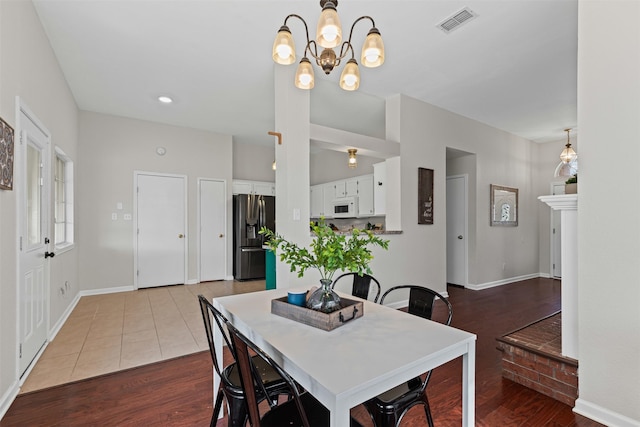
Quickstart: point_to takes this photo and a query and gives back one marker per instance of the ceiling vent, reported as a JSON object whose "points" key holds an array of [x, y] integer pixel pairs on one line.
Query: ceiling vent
{"points": [[457, 19]]}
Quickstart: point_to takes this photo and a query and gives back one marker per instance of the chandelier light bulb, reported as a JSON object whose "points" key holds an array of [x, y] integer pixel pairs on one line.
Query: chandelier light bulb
{"points": [[329, 32]]}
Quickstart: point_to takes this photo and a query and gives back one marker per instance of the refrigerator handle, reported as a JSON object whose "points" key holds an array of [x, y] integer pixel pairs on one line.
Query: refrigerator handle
{"points": [[262, 214]]}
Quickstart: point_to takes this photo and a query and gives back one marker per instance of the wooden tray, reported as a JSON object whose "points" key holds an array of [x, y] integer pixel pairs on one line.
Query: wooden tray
{"points": [[326, 321]]}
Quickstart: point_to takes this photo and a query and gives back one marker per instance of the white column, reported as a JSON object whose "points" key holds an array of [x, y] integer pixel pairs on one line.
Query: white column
{"points": [[567, 204], [292, 120]]}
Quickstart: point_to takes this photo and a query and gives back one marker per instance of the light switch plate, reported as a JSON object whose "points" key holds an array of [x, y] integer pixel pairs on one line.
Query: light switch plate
{"points": [[114, 216]]}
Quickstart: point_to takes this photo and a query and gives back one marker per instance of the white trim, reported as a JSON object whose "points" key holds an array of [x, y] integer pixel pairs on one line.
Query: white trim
{"points": [[103, 291], [501, 282], [192, 282], [8, 398], [60, 323], [603, 415]]}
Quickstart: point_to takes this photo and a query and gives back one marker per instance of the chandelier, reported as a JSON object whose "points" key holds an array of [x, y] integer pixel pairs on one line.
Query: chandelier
{"points": [[568, 160], [328, 37]]}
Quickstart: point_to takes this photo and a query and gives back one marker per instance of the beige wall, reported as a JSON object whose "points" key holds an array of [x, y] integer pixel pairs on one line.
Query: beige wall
{"points": [[608, 206], [29, 69], [253, 162], [111, 149]]}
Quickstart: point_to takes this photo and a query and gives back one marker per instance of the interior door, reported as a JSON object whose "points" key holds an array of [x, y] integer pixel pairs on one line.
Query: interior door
{"points": [[556, 245], [33, 185], [213, 227], [161, 240], [457, 269]]}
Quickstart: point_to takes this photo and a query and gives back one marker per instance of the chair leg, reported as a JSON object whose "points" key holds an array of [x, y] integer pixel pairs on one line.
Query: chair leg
{"points": [[427, 410], [237, 412], [216, 408]]}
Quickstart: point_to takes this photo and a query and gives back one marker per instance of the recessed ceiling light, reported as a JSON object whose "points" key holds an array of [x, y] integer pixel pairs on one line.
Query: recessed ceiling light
{"points": [[165, 99]]}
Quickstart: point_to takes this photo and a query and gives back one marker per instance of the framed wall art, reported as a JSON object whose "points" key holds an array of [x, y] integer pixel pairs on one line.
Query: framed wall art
{"points": [[6, 156], [504, 206], [425, 196]]}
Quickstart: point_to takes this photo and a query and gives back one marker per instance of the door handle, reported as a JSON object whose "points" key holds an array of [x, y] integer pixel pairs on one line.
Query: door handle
{"points": [[221, 236], [180, 236], [48, 254], [460, 237]]}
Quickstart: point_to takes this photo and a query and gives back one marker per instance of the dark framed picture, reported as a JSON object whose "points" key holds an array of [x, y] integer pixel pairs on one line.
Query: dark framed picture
{"points": [[504, 206], [6, 156], [425, 196]]}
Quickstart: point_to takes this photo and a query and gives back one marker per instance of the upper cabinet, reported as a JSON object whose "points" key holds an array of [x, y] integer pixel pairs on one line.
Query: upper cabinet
{"points": [[323, 195], [365, 195], [253, 187]]}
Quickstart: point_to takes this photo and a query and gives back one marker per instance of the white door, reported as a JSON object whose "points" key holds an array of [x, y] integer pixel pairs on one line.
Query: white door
{"points": [[457, 269], [213, 230], [33, 185], [161, 240]]}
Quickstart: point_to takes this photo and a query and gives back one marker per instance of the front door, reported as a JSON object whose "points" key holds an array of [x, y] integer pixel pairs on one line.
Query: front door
{"points": [[213, 230], [33, 184], [457, 230], [161, 240]]}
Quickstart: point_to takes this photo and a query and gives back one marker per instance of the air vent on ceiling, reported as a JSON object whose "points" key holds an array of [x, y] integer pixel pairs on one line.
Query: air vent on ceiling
{"points": [[457, 19]]}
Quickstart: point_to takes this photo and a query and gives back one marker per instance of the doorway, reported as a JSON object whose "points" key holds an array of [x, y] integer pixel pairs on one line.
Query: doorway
{"points": [[33, 186], [212, 217], [160, 229], [556, 246]]}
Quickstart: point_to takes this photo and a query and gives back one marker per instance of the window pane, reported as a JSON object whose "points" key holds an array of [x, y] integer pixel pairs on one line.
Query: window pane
{"points": [[34, 195]]}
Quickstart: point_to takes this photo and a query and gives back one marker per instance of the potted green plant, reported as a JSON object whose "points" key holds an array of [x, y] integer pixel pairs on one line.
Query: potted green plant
{"points": [[571, 185], [329, 252]]}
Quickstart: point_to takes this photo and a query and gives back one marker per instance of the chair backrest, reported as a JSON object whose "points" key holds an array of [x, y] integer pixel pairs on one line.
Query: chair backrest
{"points": [[361, 285], [209, 312], [421, 301], [249, 377]]}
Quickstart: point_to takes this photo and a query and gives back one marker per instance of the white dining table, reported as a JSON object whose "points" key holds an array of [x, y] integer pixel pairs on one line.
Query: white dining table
{"points": [[356, 361]]}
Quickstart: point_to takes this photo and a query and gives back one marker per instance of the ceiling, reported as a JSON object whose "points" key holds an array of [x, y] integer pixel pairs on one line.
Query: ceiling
{"points": [[512, 67]]}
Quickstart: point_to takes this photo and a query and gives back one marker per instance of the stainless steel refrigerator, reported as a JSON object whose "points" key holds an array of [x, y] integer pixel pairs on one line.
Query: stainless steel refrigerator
{"points": [[250, 213]]}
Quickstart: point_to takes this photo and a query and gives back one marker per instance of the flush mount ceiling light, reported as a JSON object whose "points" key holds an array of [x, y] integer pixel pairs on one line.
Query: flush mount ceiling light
{"points": [[165, 99], [328, 36], [568, 160], [353, 162]]}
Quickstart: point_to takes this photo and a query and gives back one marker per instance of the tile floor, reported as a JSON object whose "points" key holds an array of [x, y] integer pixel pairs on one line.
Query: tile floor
{"points": [[107, 333]]}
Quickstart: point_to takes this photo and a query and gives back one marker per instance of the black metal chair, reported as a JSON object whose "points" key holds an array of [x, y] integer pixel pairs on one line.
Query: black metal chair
{"points": [[388, 408], [301, 411], [271, 385], [361, 285]]}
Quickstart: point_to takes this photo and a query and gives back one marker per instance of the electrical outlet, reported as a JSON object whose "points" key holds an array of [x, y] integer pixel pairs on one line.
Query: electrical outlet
{"points": [[114, 216], [127, 217]]}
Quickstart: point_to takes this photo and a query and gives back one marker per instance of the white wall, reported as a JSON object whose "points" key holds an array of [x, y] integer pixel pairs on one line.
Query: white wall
{"points": [[253, 162], [329, 165], [608, 206], [29, 69], [418, 255], [111, 149]]}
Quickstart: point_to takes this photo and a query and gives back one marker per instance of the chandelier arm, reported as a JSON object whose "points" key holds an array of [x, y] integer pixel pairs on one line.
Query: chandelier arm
{"points": [[313, 52], [343, 51], [373, 24], [306, 31]]}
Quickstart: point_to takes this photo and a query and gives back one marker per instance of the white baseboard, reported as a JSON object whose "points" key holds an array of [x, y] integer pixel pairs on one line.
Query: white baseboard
{"points": [[106, 291], [603, 415], [192, 282], [8, 397], [501, 282], [56, 328]]}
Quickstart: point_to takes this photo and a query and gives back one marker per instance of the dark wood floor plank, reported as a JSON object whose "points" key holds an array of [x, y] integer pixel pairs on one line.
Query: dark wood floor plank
{"points": [[179, 392]]}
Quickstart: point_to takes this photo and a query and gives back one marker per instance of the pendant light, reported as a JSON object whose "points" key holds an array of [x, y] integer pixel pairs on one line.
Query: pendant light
{"points": [[353, 162], [568, 165]]}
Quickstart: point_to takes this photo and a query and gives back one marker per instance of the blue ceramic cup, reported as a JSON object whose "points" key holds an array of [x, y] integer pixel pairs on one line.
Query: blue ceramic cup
{"points": [[297, 298]]}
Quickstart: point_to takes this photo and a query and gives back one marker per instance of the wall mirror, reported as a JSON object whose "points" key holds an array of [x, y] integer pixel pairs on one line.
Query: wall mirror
{"points": [[504, 206]]}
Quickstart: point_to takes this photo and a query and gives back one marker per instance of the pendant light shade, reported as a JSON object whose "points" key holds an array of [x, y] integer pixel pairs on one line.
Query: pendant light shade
{"points": [[373, 49], [304, 75], [353, 162], [284, 49], [568, 165], [329, 32], [350, 78]]}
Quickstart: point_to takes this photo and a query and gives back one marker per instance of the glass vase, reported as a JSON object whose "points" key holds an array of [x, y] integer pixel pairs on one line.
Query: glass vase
{"points": [[324, 299]]}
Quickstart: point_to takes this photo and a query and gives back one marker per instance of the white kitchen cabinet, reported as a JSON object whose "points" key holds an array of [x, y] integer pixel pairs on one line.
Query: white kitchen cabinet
{"points": [[317, 201], [328, 200], [365, 195], [240, 186], [379, 188], [339, 189]]}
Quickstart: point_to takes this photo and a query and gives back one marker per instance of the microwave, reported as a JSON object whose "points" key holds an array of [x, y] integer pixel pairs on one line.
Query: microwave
{"points": [[346, 207]]}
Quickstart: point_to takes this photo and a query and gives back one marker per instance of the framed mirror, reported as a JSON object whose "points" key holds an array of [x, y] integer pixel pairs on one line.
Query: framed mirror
{"points": [[504, 206]]}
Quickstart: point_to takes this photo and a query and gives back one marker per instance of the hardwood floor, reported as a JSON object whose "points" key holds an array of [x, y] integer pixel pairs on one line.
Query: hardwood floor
{"points": [[178, 392]]}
